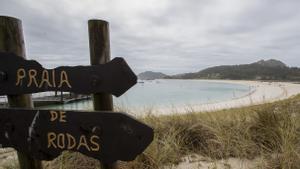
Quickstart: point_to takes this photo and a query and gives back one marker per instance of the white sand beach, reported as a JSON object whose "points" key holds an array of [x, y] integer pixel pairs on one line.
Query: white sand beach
{"points": [[261, 92]]}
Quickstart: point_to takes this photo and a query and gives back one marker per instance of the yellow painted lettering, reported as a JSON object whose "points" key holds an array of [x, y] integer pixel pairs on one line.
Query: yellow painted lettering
{"points": [[51, 139], [45, 79], [20, 75], [32, 74], [61, 141], [54, 115], [95, 141], [53, 78], [71, 141], [62, 117], [83, 142], [64, 79]]}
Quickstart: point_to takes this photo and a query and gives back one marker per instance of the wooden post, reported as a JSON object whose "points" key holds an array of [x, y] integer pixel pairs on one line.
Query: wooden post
{"points": [[61, 96], [12, 40], [100, 54]]}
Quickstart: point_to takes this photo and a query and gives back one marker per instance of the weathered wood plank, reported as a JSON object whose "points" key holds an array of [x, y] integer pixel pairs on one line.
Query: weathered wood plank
{"points": [[44, 134], [19, 76]]}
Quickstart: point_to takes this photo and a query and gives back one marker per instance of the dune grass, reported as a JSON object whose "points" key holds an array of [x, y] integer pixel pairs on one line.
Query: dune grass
{"points": [[270, 132]]}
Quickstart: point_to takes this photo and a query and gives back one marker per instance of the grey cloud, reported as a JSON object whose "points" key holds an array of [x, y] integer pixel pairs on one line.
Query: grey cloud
{"points": [[172, 36]]}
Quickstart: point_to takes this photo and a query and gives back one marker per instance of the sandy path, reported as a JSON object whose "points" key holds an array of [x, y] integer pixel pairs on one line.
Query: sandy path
{"points": [[198, 162]]}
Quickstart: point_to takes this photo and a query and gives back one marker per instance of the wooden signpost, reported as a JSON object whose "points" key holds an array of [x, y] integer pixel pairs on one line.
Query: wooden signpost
{"points": [[12, 40], [43, 134], [19, 76]]}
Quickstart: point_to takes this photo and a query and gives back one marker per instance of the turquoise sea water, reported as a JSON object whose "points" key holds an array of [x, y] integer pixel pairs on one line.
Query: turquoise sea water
{"points": [[159, 93]]}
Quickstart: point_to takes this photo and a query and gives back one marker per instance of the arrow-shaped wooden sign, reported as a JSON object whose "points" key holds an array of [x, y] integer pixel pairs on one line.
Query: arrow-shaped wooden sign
{"points": [[44, 134], [19, 76]]}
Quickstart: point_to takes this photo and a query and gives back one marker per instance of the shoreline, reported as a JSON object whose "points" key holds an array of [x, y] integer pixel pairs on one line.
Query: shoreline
{"points": [[260, 93]]}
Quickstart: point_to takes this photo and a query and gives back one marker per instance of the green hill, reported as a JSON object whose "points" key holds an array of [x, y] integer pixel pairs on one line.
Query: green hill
{"points": [[261, 70], [149, 75]]}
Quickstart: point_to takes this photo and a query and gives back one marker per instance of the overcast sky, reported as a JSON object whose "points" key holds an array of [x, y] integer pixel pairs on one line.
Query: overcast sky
{"points": [[171, 36]]}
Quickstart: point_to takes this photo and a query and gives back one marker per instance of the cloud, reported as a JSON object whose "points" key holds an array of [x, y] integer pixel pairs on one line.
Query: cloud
{"points": [[172, 36]]}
